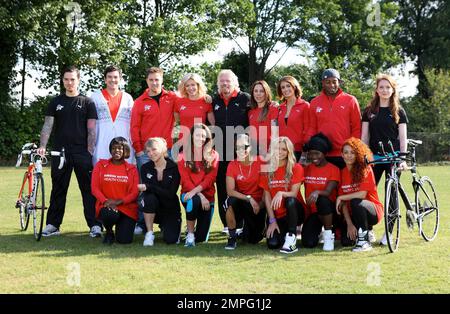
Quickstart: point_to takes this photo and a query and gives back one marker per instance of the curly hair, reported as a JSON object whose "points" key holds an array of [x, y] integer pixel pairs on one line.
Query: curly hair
{"points": [[361, 152]]}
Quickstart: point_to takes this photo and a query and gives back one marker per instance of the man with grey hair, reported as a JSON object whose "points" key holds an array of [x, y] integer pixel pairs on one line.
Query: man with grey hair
{"points": [[230, 107]]}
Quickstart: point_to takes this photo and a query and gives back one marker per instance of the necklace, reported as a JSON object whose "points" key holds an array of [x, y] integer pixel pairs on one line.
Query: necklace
{"points": [[249, 172]]}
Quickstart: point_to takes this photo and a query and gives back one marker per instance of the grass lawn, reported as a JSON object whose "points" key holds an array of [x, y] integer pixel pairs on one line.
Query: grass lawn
{"points": [[52, 265]]}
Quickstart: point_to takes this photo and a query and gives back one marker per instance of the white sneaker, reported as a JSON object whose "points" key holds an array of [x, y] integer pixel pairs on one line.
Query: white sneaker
{"points": [[96, 232], [238, 231], [290, 244], [363, 244], [138, 230], [328, 240], [149, 239], [321, 240], [225, 230], [50, 230], [372, 238], [190, 240]]}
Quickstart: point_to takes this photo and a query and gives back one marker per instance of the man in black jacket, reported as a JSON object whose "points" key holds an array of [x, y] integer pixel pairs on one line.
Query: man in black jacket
{"points": [[230, 107]]}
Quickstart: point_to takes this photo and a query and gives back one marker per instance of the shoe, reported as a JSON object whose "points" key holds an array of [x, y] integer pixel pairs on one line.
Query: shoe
{"points": [[109, 238], [50, 230], [239, 231], [232, 243], [96, 232], [321, 240], [190, 240], [138, 230], [372, 238], [328, 240], [290, 244], [225, 230], [363, 244], [149, 239]]}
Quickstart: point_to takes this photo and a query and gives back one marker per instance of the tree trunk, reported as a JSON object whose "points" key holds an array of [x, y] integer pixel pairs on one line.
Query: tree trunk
{"points": [[24, 76]]}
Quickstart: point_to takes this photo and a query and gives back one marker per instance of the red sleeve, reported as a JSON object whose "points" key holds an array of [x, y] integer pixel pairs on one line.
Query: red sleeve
{"points": [[341, 183], [135, 127], [335, 174], [298, 175], [356, 120], [305, 124], [133, 191], [186, 182], [312, 129], [96, 184], [176, 105], [231, 169], [368, 183], [208, 107], [210, 177], [263, 182]]}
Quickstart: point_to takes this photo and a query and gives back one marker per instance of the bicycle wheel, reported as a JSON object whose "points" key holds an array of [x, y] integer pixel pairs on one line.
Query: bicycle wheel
{"points": [[392, 215], [23, 203], [39, 208], [427, 209]]}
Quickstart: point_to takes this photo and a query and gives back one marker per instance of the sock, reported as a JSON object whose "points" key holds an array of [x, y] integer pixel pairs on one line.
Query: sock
{"points": [[232, 232]]}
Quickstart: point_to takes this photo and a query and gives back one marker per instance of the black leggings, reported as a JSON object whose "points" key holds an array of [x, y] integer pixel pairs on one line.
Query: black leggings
{"points": [[313, 225], [203, 217], [295, 214], [169, 220], [253, 231], [364, 216], [124, 224]]}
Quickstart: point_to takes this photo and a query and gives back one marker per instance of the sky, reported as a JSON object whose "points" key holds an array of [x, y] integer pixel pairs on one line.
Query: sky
{"points": [[407, 83]]}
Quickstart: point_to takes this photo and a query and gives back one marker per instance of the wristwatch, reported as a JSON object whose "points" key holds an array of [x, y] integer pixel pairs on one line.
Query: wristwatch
{"points": [[249, 197]]}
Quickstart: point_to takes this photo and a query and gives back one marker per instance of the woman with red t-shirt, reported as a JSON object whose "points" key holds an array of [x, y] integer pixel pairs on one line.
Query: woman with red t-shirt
{"points": [[244, 200], [293, 116], [262, 115], [192, 107], [114, 185], [321, 181], [198, 166], [358, 198], [284, 203]]}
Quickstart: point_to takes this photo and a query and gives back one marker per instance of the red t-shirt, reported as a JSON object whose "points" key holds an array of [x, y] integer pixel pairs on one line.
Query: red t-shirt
{"points": [[261, 130], [110, 181], [191, 111], [317, 178], [278, 183], [297, 123], [367, 184], [113, 102], [246, 178]]}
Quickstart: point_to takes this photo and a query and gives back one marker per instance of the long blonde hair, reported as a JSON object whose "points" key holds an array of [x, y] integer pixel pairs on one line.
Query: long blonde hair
{"points": [[394, 102], [274, 159], [197, 79]]}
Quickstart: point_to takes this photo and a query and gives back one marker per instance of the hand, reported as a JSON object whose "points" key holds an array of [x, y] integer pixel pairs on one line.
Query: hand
{"points": [[41, 151], [403, 166], [140, 153], [205, 202], [271, 228], [142, 187], [255, 206], [208, 99], [276, 201], [339, 204], [112, 203], [188, 196], [352, 233], [312, 199]]}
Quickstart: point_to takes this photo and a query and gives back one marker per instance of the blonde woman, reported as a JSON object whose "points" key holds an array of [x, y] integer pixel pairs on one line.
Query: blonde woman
{"points": [[284, 203], [192, 106], [160, 183]]}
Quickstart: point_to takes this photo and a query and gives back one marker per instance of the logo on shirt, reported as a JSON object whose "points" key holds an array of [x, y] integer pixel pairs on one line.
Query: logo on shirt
{"points": [[147, 107], [149, 176], [240, 177], [182, 108], [236, 104], [170, 177], [318, 109], [79, 106], [216, 107], [59, 107], [342, 107]]}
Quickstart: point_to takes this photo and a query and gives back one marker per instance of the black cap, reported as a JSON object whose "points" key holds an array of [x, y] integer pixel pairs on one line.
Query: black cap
{"points": [[331, 73]]}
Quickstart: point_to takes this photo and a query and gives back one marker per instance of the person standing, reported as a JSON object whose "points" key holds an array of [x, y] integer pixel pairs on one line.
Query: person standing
{"points": [[293, 116], [230, 107], [336, 114], [114, 114], [74, 117]]}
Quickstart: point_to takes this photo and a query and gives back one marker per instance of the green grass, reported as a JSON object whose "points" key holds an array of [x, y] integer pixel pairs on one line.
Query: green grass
{"points": [[27, 266]]}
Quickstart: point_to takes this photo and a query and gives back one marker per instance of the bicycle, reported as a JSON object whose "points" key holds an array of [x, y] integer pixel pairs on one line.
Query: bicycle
{"points": [[31, 199], [424, 210]]}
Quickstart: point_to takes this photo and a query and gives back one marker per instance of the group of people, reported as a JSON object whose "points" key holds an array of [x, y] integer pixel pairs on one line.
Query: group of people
{"points": [[132, 157]]}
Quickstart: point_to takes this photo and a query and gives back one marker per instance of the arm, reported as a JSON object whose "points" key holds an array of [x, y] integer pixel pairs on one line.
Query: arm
{"points": [[312, 130], [211, 118], [166, 193], [331, 186], [365, 136], [96, 185], [278, 198], [231, 189], [350, 196], [352, 233], [402, 134], [305, 125], [356, 120], [45, 134], [92, 134], [133, 192], [135, 127], [210, 177]]}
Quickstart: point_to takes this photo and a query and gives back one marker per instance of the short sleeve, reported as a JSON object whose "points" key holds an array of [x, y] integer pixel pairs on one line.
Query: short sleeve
{"points": [[263, 182], [368, 183], [51, 108], [91, 109], [402, 115], [365, 116], [176, 105], [298, 175], [230, 170], [335, 174], [208, 108]]}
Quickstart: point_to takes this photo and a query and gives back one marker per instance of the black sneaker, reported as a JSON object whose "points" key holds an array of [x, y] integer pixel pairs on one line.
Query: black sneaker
{"points": [[231, 245], [109, 238]]}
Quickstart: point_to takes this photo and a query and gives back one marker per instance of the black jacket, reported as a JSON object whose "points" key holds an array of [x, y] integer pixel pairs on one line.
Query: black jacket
{"points": [[166, 190]]}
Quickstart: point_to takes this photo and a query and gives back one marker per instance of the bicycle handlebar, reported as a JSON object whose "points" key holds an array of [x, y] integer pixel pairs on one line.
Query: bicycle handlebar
{"points": [[394, 156], [33, 153]]}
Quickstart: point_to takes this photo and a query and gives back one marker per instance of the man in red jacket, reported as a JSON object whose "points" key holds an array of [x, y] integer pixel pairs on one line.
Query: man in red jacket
{"points": [[336, 114], [152, 116]]}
